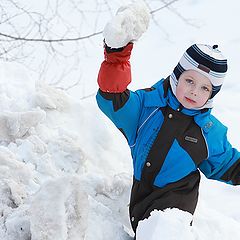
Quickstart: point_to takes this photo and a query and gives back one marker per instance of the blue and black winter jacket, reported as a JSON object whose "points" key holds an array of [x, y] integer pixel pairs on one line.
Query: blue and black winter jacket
{"points": [[140, 116], [168, 145]]}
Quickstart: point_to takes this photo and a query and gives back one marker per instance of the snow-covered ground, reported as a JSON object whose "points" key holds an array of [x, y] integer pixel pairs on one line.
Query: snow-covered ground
{"points": [[65, 171]]}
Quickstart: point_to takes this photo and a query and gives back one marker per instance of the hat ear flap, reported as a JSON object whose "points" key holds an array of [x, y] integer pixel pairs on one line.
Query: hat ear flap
{"points": [[215, 90]]}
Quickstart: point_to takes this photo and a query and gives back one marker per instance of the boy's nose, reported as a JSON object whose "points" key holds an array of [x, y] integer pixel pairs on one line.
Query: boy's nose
{"points": [[194, 92]]}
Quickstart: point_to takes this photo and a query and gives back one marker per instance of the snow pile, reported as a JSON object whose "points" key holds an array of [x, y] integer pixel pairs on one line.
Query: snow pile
{"points": [[50, 186]]}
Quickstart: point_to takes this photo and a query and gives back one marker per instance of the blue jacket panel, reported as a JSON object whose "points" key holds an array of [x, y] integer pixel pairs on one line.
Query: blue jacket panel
{"points": [[222, 155], [140, 119]]}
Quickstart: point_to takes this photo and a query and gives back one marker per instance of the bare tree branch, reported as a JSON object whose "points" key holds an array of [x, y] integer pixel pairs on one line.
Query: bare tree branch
{"points": [[57, 34], [24, 38], [49, 40]]}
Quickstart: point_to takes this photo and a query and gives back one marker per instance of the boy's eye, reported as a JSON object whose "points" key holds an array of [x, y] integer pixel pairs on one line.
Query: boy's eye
{"points": [[189, 81], [206, 89]]}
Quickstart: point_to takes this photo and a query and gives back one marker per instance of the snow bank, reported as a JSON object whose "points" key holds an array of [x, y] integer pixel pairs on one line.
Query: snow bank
{"points": [[48, 185]]}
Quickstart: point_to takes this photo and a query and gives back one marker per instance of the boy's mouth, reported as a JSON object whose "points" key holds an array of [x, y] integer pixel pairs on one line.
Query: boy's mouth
{"points": [[190, 100]]}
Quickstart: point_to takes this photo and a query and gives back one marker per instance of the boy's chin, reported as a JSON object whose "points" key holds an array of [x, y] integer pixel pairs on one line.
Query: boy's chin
{"points": [[190, 106], [187, 105]]}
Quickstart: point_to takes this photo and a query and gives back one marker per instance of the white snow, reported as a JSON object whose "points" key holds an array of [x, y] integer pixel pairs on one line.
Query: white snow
{"points": [[52, 181], [65, 171], [167, 224]]}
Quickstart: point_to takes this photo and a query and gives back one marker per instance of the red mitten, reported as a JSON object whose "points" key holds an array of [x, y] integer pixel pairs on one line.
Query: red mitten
{"points": [[115, 71]]}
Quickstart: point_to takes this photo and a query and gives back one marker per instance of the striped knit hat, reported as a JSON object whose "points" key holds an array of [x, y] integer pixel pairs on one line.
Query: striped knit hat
{"points": [[207, 60]]}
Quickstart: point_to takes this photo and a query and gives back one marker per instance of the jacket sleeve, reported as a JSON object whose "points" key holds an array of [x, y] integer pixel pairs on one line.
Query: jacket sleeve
{"points": [[223, 163], [120, 105]]}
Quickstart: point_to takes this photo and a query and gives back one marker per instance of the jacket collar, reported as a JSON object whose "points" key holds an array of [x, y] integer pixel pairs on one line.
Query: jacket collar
{"points": [[157, 98]]}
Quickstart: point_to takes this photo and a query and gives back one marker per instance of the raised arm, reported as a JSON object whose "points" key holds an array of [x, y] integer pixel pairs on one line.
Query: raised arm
{"points": [[120, 105]]}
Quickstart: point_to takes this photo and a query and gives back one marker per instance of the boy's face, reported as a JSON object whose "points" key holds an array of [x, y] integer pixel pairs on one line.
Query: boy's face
{"points": [[193, 89]]}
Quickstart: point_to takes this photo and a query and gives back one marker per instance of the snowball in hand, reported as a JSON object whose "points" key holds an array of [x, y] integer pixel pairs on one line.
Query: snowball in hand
{"points": [[130, 22]]}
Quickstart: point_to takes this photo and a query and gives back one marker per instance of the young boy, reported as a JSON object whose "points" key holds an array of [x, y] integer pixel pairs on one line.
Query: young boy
{"points": [[169, 127]]}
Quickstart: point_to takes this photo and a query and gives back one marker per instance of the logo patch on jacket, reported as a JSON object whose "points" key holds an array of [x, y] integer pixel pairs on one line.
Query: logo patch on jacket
{"points": [[191, 139]]}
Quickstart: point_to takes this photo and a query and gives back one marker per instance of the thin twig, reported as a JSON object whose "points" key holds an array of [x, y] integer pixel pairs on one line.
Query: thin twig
{"points": [[49, 40], [166, 5]]}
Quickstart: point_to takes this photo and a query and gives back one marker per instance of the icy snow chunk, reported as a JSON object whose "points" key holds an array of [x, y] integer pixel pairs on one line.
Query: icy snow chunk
{"points": [[5, 198], [18, 226], [14, 176], [59, 209], [48, 97], [29, 150], [16, 170], [108, 199], [18, 192], [170, 224], [16, 124], [114, 187], [67, 154], [34, 143], [106, 226], [130, 22]]}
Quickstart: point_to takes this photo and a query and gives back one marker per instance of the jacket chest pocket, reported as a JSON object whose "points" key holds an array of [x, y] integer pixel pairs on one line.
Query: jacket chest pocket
{"points": [[194, 143]]}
